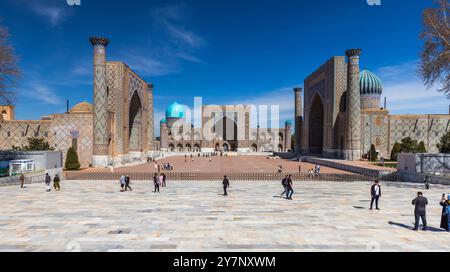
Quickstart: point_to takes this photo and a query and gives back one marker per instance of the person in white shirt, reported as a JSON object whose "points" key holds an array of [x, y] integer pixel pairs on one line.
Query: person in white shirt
{"points": [[376, 194]]}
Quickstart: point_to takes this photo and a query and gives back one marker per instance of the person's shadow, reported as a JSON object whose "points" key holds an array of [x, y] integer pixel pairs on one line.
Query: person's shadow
{"points": [[411, 228]]}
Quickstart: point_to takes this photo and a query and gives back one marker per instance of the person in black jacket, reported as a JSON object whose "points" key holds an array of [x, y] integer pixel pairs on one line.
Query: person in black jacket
{"points": [[420, 211], [290, 189], [376, 194], [156, 183], [284, 183], [127, 183], [226, 185]]}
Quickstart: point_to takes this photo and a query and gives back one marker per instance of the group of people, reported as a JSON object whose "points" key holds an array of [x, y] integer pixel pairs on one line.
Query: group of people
{"points": [[167, 166], [125, 183], [159, 181], [420, 203], [288, 187], [56, 182], [315, 172]]}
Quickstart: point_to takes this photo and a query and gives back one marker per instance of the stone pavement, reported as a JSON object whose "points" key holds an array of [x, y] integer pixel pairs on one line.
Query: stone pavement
{"points": [[192, 216], [235, 164]]}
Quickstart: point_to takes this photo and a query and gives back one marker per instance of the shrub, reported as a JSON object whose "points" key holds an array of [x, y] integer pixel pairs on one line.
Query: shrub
{"points": [[72, 162]]}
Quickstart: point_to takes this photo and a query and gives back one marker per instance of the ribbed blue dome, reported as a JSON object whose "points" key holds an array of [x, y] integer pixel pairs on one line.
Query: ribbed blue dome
{"points": [[175, 111], [369, 83]]}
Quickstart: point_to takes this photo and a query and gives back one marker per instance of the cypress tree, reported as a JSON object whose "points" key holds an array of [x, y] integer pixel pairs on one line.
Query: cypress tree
{"points": [[72, 162]]}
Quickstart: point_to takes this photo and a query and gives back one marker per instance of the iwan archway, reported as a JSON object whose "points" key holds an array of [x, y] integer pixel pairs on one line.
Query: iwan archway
{"points": [[316, 125]]}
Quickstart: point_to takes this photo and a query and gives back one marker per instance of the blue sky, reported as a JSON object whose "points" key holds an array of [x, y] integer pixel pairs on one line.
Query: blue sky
{"points": [[225, 51]]}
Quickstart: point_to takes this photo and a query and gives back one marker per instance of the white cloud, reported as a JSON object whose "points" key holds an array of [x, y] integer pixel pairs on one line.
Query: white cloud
{"points": [[54, 12], [43, 94]]}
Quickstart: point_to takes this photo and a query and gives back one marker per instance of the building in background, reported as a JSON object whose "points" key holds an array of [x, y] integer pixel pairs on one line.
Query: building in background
{"points": [[116, 129], [341, 116], [223, 129]]}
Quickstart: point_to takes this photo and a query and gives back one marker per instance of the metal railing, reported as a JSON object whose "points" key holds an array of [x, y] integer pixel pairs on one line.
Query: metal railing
{"points": [[217, 176]]}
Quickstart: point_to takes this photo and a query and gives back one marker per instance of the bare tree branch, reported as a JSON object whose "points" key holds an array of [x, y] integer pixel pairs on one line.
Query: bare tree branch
{"points": [[9, 71]]}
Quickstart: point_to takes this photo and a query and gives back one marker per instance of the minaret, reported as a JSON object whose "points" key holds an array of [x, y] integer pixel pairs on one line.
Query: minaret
{"points": [[164, 138], [352, 148], [151, 118], [287, 136], [101, 135], [298, 119]]}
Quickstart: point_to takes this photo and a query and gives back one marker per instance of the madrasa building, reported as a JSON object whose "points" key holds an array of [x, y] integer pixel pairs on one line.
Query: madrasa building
{"points": [[116, 129], [341, 115], [222, 129]]}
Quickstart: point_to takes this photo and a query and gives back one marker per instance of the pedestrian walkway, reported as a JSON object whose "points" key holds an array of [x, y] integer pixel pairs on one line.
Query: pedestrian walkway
{"points": [[194, 216]]}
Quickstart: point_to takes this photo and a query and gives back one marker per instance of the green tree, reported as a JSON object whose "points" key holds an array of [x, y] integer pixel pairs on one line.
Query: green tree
{"points": [[72, 162], [408, 145], [444, 145], [421, 148], [373, 155], [35, 144], [395, 150]]}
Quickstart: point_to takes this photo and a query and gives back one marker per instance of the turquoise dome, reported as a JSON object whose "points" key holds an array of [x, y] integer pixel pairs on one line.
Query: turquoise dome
{"points": [[288, 123], [369, 83], [163, 121], [175, 111]]}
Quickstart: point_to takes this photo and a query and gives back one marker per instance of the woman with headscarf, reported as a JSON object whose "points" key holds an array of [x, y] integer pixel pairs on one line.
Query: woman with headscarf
{"points": [[445, 221]]}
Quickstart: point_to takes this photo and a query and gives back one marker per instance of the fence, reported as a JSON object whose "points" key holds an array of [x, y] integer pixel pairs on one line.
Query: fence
{"points": [[175, 176]]}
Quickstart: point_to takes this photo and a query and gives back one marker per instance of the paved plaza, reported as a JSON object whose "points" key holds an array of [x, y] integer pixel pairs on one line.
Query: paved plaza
{"points": [[232, 164], [192, 216]]}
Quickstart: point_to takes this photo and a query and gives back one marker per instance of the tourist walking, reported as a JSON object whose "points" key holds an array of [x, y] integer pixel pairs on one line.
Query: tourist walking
{"points": [[161, 181], [127, 183], [284, 183], [56, 183], [122, 183], [427, 182], [48, 180], [156, 183], [164, 178], [375, 192], [445, 220], [226, 185], [290, 189], [22, 181], [317, 170], [420, 212]]}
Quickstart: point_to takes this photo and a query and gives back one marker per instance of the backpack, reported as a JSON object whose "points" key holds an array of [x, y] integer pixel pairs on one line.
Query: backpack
{"points": [[284, 182]]}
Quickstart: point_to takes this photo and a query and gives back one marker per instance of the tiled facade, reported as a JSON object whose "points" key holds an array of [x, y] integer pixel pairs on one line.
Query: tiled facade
{"points": [[325, 128], [181, 136], [117, 128]]}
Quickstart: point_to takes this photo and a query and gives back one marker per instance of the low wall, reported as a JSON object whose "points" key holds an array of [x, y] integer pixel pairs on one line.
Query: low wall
{"points": [[217, 177], [43, 159], [415, 167], [31, 178], [377, 174]]}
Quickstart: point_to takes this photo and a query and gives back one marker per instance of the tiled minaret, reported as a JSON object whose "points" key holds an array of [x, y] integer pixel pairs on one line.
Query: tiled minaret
{"points": [[101, 135], [164, 136], [151, 118], [352, 148], [298, 119], [287, 137]]}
